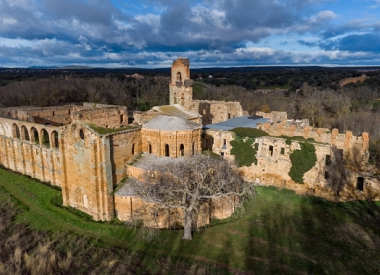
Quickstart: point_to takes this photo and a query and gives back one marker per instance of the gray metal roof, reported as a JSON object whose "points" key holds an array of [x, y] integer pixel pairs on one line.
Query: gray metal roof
{"points": [[242, 121]]}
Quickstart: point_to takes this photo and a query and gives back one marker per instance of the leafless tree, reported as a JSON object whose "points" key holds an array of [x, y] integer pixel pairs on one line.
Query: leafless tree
{"points": [[187, 183], [337, 173]]}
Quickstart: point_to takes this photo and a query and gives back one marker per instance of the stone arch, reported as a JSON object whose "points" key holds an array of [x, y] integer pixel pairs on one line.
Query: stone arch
{"points": [[45, 140], [34, 137], [193, 148], [15, 131], [54, 140], [181, 150], [133, 149], [150, 148], [167, 150], [24, 133], [81, 198], [179, 76], [175, 98]]}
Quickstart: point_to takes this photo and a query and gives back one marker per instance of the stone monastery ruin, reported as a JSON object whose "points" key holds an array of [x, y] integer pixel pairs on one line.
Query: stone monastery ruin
{"points": [[89, 151]]}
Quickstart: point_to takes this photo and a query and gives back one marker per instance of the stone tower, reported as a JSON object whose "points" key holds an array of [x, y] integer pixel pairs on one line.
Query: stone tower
{"points": [[180, 88]]}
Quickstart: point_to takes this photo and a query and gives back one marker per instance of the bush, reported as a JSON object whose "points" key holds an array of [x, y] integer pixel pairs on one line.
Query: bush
{"points": [[242, 149], [249, 132], [302, 161]]}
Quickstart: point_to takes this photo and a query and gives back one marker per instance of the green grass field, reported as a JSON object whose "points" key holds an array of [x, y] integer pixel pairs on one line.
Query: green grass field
{"points": [[280, 233]]}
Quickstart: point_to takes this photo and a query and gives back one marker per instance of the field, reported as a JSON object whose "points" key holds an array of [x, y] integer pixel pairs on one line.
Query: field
{"points": [[280, 233]]}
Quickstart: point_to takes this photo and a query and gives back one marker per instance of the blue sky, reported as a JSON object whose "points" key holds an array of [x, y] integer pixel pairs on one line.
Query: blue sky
{"points": [[152, 33]]}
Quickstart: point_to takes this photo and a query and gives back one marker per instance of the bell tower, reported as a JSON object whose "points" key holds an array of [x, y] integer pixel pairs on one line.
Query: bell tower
{"points": [[181, 91]]}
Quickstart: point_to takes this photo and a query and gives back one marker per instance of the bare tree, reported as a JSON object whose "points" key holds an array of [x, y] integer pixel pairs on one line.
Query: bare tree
{"points": [[337, 172], [189, 182]]}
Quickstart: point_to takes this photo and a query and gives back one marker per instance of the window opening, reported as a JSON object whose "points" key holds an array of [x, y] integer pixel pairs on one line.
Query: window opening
{"points": [[360, 183], [327, 160], [282, 151], [166, 150], [182, 150], [81, 134], [271, 150]]}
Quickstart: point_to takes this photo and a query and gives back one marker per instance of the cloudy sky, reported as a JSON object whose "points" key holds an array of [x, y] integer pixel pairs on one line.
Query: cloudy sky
{"points": [[152, 33]]}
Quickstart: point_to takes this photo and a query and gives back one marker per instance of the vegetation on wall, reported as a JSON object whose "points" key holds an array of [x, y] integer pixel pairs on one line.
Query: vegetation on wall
{"points": [[242, 149], [302, 161]]}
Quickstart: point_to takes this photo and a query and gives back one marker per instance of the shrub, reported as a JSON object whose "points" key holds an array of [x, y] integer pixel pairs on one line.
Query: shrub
{"points": [[242, 149], [249, 132], [302, 161]]}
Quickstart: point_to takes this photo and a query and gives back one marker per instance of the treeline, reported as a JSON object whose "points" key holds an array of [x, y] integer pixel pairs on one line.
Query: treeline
{"points": [[291, 79], [136, 94]]}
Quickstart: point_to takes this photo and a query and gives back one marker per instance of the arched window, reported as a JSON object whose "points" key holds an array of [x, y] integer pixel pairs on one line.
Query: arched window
{"points": [[15, 131], [81, 134], [34, 136], [45, 138], [175, 98], [150, 148], [179, 77], [2, 132], [167, 150], [54, 140], [182, 150], [193, 148], [24, 133], [133, 149]]}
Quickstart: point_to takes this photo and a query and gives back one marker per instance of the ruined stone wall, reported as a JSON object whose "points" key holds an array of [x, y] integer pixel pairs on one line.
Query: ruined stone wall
{"points": [[273, 164], [124, 146], [355, 148], [56, 116], [131, 208], [274, 116], [143, 117], [31, 149], [179, 142], [216, 111], [109, 117], [88, 182], [219, 142]]}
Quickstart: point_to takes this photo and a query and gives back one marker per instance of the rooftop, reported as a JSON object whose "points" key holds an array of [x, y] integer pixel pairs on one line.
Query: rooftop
{"points": [[176, 110], [170, 123], [232, 123]]}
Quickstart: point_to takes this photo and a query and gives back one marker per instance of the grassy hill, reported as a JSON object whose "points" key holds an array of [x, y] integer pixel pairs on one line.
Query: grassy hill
{"points": [[280, 233]]}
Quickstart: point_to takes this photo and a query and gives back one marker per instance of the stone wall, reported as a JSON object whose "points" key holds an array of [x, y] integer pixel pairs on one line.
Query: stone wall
{"points": [[106, 117], [216, 111], [31, 149], [355, 148], [87, 183], [179, 142], [273, 164]]}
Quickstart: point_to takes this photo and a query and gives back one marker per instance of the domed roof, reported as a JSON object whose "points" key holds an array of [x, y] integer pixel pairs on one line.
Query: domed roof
{"points": [[170, 123]]}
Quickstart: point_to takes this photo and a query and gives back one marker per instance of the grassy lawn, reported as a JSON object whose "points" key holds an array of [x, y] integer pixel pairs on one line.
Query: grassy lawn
{"points": [[280, 233]]}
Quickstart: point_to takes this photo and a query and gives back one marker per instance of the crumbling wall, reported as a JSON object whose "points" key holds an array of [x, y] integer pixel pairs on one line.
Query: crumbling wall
{"points": [[355, 148], [216, 111], [107, 117], [124, 146], [87, 183], [272, 164], [31, 149]]}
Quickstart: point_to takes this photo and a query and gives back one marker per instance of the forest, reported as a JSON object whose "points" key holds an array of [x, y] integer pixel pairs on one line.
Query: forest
{"points": [[328, 97]]}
